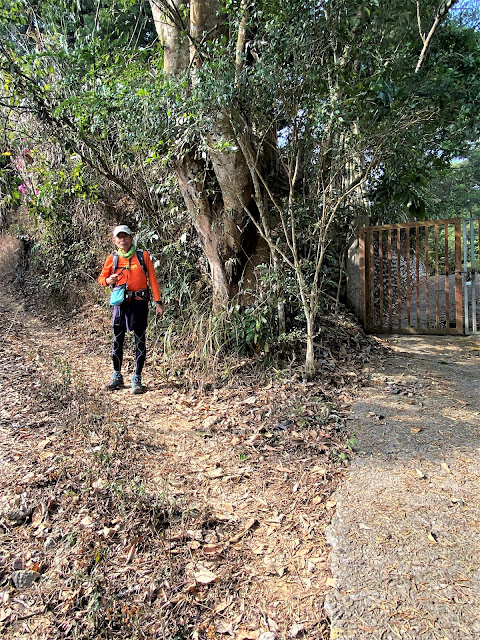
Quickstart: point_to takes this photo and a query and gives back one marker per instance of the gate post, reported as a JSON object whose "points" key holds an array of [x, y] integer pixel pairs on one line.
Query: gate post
{"points": [[362, 288], [458, 276], [354, 264]]}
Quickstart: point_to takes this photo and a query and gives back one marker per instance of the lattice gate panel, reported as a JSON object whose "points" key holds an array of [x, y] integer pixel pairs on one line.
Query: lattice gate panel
{"points": [[411, 277]]}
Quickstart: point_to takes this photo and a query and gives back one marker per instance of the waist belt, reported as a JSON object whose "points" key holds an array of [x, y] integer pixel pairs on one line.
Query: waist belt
{"points": [[141, 294]]}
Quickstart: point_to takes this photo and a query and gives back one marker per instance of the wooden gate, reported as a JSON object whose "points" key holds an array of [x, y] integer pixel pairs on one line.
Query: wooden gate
{"points": [[471, 268], [412, 277]]}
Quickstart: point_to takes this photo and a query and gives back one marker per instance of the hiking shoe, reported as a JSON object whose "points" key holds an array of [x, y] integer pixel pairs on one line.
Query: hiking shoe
{"points": [[116, 381], [137, 386]]}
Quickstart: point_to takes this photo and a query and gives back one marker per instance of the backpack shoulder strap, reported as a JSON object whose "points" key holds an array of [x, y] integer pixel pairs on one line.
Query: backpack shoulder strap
{"points": [[115, 261], [141, 259]]}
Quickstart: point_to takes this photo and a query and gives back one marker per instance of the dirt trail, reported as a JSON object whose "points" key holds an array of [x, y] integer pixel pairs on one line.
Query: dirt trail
{"points": [[405, 536], [247, 491], [246, 475]]}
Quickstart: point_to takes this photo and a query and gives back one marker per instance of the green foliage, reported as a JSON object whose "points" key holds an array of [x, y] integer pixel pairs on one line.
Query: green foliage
{"points": [[250, 328], [455, 191], [445, 93], [9, 183], [60, 266], [324, 87]]}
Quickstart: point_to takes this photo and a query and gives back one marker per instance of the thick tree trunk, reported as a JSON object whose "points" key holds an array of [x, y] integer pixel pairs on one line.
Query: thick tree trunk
{"points": [[173, 38], [226, 233], [204, 214]]}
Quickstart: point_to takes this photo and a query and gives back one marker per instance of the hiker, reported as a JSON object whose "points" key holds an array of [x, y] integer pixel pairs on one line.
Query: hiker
{"points": [[129, 267]]}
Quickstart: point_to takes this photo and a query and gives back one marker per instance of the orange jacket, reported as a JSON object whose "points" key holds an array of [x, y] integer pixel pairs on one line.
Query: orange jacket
{"points": [[133, 276]]}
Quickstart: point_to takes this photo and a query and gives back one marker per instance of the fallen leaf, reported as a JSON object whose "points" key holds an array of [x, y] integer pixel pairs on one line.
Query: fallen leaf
{"points": [[250, 523], [416, 429], [86, 522], [37, 515], [445, 466], [221, 606], [304, 551], [246, 634], [214, 549], [284, 470], [193, 544], [195, 534], [258, 550], [433, 537], [295, 630], [321, 470], [227, 506], [98, 485], [330, 504], [272, 625], [277, 519], [211, 538], [420, 474], [5, 614], [131, 553], [210, 421], [215, 473], [273, 567], [204, 575], [296, 437], [224, 627]]}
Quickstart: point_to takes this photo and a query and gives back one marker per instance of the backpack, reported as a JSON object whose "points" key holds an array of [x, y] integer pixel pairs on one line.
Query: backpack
{"points": [[140, 258]]}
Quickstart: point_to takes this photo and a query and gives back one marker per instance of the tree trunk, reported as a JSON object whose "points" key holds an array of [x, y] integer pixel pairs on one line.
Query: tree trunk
{"points": [[310, 355], [228, 237], [204, 214], [172, 36]]}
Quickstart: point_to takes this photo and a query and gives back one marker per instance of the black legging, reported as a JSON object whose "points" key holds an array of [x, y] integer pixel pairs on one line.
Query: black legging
{"points": [[117, 350]]}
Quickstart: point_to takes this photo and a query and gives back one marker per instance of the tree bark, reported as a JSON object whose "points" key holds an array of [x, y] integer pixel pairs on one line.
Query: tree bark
{"points": [[171, 34], [204, 214], [310, 355], [225, 231]]}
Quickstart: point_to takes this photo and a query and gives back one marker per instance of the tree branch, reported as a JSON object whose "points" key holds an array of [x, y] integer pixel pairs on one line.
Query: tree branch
{"points": [[241, 38], [442, 11]]}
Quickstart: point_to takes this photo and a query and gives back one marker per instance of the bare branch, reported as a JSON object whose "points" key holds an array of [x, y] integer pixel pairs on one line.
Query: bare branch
{"points": [[419, 20], [442, 11], [241, 38]]}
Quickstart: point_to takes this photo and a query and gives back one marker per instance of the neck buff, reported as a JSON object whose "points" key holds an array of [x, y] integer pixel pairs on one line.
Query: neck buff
{"points": [[129, 253]]}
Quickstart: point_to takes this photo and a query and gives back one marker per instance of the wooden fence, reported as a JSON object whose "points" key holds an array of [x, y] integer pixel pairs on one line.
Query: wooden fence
{"points": [[412, 277]]}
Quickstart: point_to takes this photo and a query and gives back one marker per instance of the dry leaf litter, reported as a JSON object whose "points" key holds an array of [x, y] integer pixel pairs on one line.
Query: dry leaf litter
{"points": [[183, 513]]}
